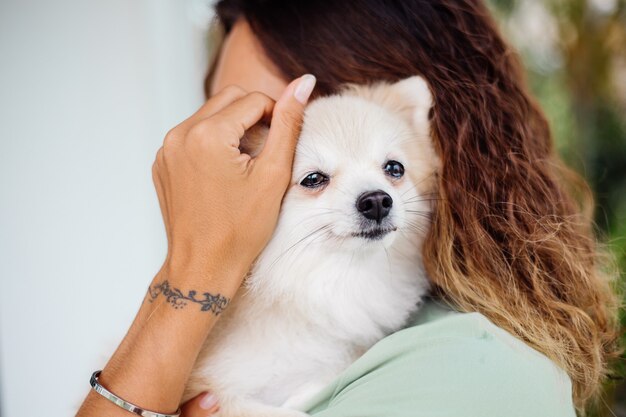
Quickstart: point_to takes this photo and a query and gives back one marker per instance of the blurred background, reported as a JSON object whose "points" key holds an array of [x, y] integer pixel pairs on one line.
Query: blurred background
{"points": [[88, 91]]}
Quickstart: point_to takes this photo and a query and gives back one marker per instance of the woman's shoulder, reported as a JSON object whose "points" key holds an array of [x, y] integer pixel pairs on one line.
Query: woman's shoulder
{"points": [[448, 363]]}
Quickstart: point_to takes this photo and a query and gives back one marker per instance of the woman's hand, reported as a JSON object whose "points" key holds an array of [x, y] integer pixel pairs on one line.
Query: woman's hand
{"points": [[202, 405], [220, 206]]}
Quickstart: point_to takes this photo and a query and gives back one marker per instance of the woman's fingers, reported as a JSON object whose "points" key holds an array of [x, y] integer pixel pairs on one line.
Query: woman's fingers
{"points": [[214, 104], [238, 115], [233, 120], [203, 405], [212, 204], [286, 123]]}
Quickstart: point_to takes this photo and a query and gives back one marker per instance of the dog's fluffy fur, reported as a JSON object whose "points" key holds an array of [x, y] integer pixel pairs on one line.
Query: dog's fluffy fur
{"points": [[318, 297]]}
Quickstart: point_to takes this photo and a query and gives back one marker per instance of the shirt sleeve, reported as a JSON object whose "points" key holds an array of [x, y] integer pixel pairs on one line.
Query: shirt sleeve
{"points": [[466, 367]]}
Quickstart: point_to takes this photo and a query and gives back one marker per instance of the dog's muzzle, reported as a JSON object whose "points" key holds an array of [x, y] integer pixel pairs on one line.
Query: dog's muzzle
{"points": [[374, 205]]}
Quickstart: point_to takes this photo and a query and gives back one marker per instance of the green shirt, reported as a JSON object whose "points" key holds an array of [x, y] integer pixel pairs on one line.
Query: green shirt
{"points": [[448, 364]]}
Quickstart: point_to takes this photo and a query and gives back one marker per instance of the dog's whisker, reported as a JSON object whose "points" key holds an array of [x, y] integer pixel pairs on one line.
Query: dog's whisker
{"points": [[302, 249], [419, 218], [413, 187], [388, 261], [420, 195], [427, 196], [425, 200], [421, 229], [427, 177], [425, 214], [398, 252], [309, 235]]}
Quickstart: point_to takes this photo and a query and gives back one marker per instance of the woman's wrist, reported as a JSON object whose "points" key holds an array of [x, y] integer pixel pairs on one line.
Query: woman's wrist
{"points": [[155, 358], [191, 288], [215, 274]]}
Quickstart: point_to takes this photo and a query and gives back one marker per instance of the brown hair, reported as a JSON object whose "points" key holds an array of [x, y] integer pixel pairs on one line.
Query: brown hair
{"points": [[512, 236]]}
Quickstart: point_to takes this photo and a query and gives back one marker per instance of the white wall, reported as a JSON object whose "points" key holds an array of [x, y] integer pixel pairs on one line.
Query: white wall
{"points": [[87, 92]]}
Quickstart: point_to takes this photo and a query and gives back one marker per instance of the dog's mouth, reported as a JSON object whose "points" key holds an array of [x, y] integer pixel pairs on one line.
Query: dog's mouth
{"points": [[374, 234]]}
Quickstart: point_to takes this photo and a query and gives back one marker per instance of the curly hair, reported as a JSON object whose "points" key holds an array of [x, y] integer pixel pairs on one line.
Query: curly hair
{"points": [[512, 235]]}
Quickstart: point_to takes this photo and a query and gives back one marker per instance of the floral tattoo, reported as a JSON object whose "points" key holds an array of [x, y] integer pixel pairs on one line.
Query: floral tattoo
{"points": [[209, 302]]}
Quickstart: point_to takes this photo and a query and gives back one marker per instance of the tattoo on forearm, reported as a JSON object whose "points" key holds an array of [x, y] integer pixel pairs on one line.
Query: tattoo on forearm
{"points": [[213, 303]]}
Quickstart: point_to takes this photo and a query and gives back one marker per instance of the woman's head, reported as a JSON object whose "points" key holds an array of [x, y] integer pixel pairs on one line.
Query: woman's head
{"points": [[243, 62], [511, 236]]}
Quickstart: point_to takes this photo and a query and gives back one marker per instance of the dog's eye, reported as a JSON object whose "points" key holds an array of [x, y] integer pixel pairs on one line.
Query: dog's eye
{"points": [[394, 168], [314, 179]]}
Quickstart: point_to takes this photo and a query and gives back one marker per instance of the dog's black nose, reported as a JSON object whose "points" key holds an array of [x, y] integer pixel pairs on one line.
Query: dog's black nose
{"points": [[374, 205]]}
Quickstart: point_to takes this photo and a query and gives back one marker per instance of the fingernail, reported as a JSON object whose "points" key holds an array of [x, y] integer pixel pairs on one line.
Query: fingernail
{"points": [[304, 88], [208, 401]]}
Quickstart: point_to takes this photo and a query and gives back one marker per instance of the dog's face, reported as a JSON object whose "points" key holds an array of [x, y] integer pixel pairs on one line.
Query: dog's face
{"points": [[364, 167], [359, 204]]}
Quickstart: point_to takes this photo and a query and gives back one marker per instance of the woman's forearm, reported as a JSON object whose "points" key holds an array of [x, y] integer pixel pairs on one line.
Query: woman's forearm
{"points": [[220, 207], [155, 358]]}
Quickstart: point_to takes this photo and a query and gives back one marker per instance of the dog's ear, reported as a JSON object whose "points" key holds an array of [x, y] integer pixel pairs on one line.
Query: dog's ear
{"points": [[412, 100], [412, 92], [409, 97]]}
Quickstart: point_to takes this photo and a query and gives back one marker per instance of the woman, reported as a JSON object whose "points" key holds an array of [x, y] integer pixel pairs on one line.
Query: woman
{"points": [[508, 242]]}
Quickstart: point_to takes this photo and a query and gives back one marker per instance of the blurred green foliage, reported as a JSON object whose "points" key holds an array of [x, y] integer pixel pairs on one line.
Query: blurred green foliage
{"points": [[575, 55]]}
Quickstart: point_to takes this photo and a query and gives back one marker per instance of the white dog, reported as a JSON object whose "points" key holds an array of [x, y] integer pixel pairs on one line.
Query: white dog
{"points": [[343, 268]]}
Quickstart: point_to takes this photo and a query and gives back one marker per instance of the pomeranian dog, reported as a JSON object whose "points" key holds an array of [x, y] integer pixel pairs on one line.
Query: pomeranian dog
{"points": [[343, 268]]}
